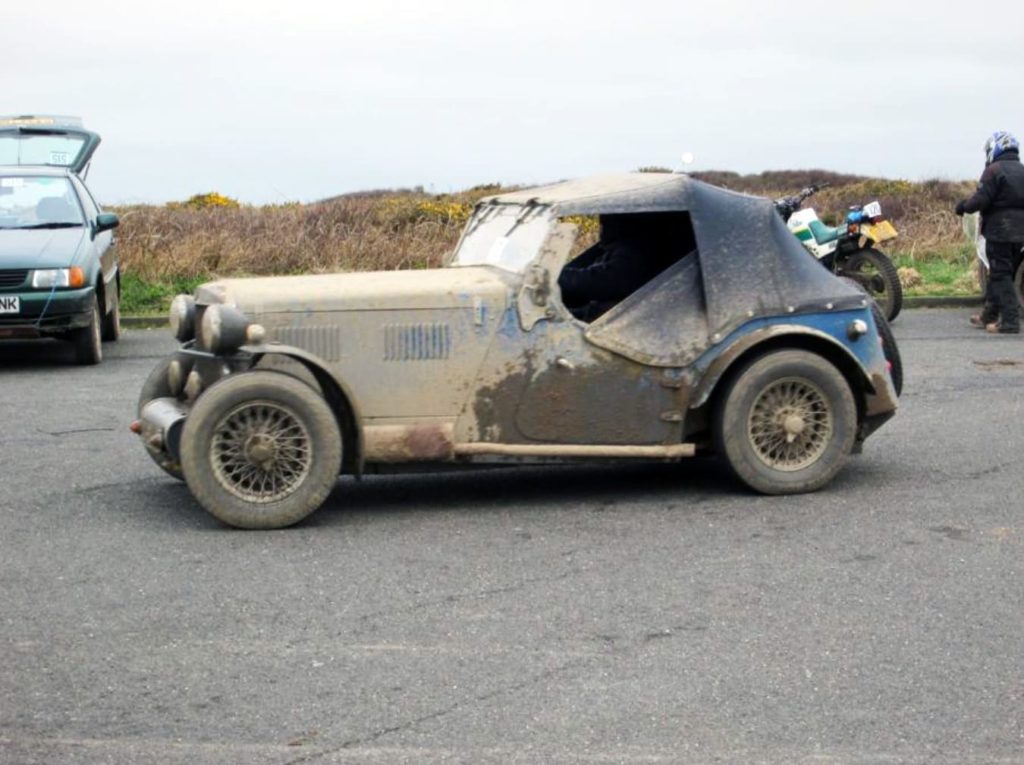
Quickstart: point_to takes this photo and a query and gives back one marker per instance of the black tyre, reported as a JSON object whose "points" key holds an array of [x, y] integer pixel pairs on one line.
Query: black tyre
{"points": [[786, 422], [889, 349], [87, 340], [1018, 283], [873, 271], [112, 321], [156, 386], [261, 450]]}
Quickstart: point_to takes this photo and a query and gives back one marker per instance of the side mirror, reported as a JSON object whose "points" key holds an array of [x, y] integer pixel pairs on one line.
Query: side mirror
{"points": [[106, 221]]}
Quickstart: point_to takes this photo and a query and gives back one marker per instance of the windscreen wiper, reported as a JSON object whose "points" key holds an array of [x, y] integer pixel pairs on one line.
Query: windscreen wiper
{"points": [[58, 224]]}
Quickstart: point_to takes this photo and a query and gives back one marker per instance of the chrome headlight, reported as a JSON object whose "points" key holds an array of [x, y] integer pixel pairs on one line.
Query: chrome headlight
{"points": [[223, 329], [183, 317]]}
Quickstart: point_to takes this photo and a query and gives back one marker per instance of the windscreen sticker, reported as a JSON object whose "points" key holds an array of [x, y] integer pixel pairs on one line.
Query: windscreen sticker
{"points": [[60, 158], [12, 183]]}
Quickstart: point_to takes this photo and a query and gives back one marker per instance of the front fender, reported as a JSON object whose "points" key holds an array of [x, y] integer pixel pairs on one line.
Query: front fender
{"points": [[348, 412]]}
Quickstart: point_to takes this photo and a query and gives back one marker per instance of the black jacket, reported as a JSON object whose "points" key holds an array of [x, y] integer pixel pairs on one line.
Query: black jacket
{"points": [[1000, 199], [612, 271]]}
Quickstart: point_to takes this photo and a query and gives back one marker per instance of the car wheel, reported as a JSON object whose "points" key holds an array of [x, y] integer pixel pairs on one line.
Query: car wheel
{"points": [[786, 422], [112, 321], [157, 386], [261, 450], [87, 340]]}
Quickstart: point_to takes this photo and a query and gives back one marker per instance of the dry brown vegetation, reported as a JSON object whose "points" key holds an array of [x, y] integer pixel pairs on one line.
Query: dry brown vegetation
{"points": [[411, 229]]}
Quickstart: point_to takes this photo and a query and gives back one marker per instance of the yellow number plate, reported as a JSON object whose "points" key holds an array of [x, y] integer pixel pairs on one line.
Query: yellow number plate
{"points": [[879, 232]]}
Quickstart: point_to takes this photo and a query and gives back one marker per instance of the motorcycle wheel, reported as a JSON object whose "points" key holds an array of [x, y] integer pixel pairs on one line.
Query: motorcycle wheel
{"points": [[890, 350], [873, 271]]}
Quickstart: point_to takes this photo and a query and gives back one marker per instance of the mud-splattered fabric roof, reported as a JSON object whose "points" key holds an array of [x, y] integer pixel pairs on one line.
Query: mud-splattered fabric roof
{"points": [[749, 265]]}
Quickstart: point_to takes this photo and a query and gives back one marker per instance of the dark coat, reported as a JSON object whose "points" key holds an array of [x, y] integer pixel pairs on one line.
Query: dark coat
{"points": [[612, 271], [1000, 199]]}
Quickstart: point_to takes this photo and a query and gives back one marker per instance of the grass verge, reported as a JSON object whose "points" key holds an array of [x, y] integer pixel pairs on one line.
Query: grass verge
{"points": [[151, 298]]}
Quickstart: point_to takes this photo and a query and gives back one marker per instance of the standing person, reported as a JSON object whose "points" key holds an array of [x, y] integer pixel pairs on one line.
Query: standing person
{"points": [[1000, 200]]}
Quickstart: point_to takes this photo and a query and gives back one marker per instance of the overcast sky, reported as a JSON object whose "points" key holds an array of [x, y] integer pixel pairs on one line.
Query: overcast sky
{"points": [[298, 100]]}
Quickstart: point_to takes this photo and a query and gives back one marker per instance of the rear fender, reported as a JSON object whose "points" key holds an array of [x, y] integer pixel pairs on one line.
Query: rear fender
{"points": [[781, 336]]}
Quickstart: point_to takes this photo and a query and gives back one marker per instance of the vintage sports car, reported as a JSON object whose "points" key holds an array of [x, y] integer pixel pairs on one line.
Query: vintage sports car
{"points": [[696, 324], [59, 275]]}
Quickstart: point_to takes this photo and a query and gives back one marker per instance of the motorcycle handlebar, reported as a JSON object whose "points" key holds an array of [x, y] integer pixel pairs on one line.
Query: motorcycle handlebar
{"points": [[789, 205]]}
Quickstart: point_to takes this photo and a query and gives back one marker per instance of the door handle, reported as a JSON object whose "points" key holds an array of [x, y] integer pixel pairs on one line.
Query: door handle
{"points": [[564, 363]]}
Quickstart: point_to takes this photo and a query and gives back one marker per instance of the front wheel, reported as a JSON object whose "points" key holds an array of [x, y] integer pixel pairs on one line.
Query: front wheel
{"points": [[87, 340], [873, 271], [786, 422], [260, 450]]}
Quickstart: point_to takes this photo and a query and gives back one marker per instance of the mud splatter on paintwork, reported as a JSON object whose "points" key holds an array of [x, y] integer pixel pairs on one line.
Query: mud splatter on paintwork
{"points": [[409, 443], [615, 403]]}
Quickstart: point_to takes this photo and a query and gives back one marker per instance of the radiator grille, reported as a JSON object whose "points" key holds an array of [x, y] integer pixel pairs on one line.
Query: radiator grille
{"points": [[12, 277]]}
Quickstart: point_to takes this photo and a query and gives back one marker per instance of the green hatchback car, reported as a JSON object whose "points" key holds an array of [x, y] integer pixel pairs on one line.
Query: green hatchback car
{"points": [[59, 275]]}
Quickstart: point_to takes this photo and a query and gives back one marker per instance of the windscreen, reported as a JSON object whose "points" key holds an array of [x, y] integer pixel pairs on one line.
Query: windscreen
{"points": [[40, 148], [38, 202], [506, 236]]}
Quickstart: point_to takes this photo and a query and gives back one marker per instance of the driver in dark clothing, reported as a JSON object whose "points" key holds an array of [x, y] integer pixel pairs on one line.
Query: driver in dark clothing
{"points": [[631, 251], [1000, 200]]}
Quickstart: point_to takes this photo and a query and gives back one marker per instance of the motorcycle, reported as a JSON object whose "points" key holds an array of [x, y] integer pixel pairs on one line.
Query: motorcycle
{"points": [[850, 249]]}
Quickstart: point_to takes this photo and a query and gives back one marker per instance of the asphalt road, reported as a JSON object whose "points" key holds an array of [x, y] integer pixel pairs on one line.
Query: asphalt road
{"points": [[644, 613]]}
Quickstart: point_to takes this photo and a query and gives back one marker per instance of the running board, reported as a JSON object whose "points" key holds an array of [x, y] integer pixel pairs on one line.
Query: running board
{"points": [[674, 451]]}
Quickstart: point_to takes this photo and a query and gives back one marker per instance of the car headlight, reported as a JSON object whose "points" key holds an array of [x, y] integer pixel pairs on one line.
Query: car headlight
{"points": [[223, 329], [183, 317], [48, 278]]}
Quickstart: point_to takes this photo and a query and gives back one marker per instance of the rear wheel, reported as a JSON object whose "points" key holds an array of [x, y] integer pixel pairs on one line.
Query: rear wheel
{"points": [[112, 321], [261, 450], [873, 271], [87, 340], [786, 422]]}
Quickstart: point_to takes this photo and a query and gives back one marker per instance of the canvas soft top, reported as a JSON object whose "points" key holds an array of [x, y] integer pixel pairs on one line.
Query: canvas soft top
{"points": [[747, 265]]}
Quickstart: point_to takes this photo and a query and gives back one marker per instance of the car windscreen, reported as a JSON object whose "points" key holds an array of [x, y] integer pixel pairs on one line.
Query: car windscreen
{"points": [[506, 236], [38, 202], [18, 147]]}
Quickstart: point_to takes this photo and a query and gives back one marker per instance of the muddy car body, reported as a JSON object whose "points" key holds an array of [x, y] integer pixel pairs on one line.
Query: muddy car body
{"points": [[739, 344]]}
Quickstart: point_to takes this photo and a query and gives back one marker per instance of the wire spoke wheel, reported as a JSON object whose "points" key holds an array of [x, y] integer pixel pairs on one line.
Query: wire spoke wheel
{"points": [[786, 422], [261, 452], [790, 424]]}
